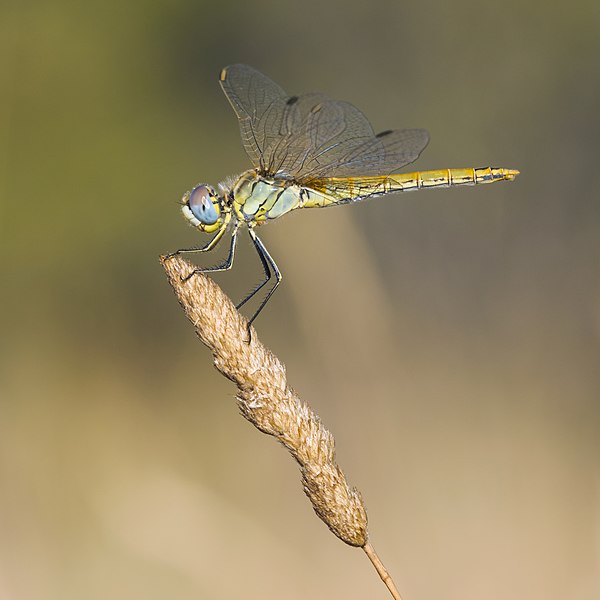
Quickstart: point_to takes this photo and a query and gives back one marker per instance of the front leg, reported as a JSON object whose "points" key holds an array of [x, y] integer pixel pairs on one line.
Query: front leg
{"points": [[224, 266], [206, 248]]}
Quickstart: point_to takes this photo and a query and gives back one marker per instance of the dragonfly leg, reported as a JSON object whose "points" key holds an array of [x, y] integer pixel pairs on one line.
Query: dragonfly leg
{"points": [[270, 269], [225, 265], [268, 275], [206, 248]]}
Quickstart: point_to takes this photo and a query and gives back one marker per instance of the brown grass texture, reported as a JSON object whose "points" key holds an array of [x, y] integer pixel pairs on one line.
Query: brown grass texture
{"points": [[270, 404]]}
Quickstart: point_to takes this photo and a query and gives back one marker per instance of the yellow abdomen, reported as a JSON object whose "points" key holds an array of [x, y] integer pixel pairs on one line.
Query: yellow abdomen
{"points": [[334, 190]]}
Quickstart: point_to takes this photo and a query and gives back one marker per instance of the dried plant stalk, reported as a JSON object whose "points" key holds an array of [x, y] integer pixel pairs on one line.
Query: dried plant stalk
{"points": [[268, 402]]}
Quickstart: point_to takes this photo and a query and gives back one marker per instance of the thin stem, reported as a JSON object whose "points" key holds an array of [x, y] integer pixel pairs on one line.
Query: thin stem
{"points": [[385, 576]]}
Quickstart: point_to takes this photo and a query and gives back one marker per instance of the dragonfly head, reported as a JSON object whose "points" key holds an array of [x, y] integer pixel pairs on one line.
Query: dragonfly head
{"points": [[203, 208]]}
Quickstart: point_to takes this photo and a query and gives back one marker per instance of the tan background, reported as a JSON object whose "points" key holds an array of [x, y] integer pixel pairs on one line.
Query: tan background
{"points": [[449, 339]]}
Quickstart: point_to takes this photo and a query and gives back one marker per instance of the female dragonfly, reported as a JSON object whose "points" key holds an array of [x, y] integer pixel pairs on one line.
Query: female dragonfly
{"points": [[307, 151]]}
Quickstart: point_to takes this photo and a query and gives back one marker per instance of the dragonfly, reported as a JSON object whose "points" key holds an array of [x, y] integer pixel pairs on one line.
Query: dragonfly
{"points": [[307, 151]]}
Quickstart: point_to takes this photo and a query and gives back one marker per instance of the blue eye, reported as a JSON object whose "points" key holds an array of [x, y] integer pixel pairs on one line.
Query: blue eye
{"points": [[201, 205]]}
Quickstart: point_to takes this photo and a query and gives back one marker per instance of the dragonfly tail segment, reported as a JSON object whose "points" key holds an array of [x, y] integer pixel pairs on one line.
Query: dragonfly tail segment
{"points": [[449, 177]]}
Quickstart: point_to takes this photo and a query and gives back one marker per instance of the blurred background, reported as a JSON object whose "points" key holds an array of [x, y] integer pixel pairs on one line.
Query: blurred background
{"points": [[449, 339]]}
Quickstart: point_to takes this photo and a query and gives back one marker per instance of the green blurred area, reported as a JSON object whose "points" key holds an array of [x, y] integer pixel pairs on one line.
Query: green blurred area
{"points": [[450, 339]]}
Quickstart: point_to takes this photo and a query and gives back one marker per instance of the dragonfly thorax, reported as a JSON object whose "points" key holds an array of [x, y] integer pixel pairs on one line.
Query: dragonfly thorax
{"points": [[258, 198]]}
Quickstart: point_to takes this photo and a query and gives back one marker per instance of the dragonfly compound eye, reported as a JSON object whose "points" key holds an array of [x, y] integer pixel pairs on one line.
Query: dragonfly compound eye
{"points": [[202, 208], [201, 205]]}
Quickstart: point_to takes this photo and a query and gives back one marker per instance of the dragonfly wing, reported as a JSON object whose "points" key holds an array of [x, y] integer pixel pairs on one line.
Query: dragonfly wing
{"points": [[258, 103], [284, 134], [312, 136], [379, 155], [314, 130]]}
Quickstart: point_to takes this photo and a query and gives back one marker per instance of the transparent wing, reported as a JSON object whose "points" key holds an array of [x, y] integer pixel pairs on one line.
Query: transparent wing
{"points": [[258, 103], [375, 155], [312, 136]]}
